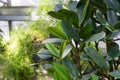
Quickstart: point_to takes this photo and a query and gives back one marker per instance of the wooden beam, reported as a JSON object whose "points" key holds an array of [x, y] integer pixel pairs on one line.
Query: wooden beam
{"points": [[15, 10], [15, 18], [15, 13]]}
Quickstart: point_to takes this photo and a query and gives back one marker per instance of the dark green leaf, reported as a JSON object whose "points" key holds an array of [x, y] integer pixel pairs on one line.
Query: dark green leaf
{"points": [[115, 74], [96, 57], [62, 72], [96, 37], [93, 25], [117, 25], [53, 50], [112, 17], [81, 2], [70, 31], [65, 15], [57, 32], [99, 3], [114, 51], [66, 51], [82, 11], [86, 32], [71, 67]]}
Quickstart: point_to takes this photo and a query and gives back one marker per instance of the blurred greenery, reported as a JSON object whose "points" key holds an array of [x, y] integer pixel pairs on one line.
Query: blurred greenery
{"points": [[17, 58]]}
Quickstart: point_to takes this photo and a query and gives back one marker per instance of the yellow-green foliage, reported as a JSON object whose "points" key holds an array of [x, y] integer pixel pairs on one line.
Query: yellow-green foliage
{"points": [[19, 51]]}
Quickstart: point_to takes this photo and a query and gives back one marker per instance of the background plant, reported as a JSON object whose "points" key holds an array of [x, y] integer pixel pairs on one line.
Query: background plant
{"points": [[19, 58], [75, 46]]}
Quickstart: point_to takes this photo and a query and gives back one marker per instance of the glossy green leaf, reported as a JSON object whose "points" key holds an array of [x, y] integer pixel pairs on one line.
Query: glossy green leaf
{"points": [[53, 50], [96, 37], [66, 51], [85, 32], [81, 2], [52, 40], [99, 3], [70, 31], [65, 15], [57, 32], [71, 67], [62, 72], [103, 21], [112, 17], [114, 51], [115, 74], [97, 58], [93, 25]]}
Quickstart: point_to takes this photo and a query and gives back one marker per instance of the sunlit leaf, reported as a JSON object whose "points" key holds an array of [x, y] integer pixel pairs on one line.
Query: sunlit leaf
{"points": [[94, 77], [57, 32], [53, 50], [62, 71], [57, 77]]}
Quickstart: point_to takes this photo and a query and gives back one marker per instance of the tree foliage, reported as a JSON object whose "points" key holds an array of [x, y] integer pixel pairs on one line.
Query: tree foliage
{"points": [[76, 41]]}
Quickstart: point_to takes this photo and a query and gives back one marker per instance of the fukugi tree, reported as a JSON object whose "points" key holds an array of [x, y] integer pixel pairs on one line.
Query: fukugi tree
{"points": [[74, 46]]}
